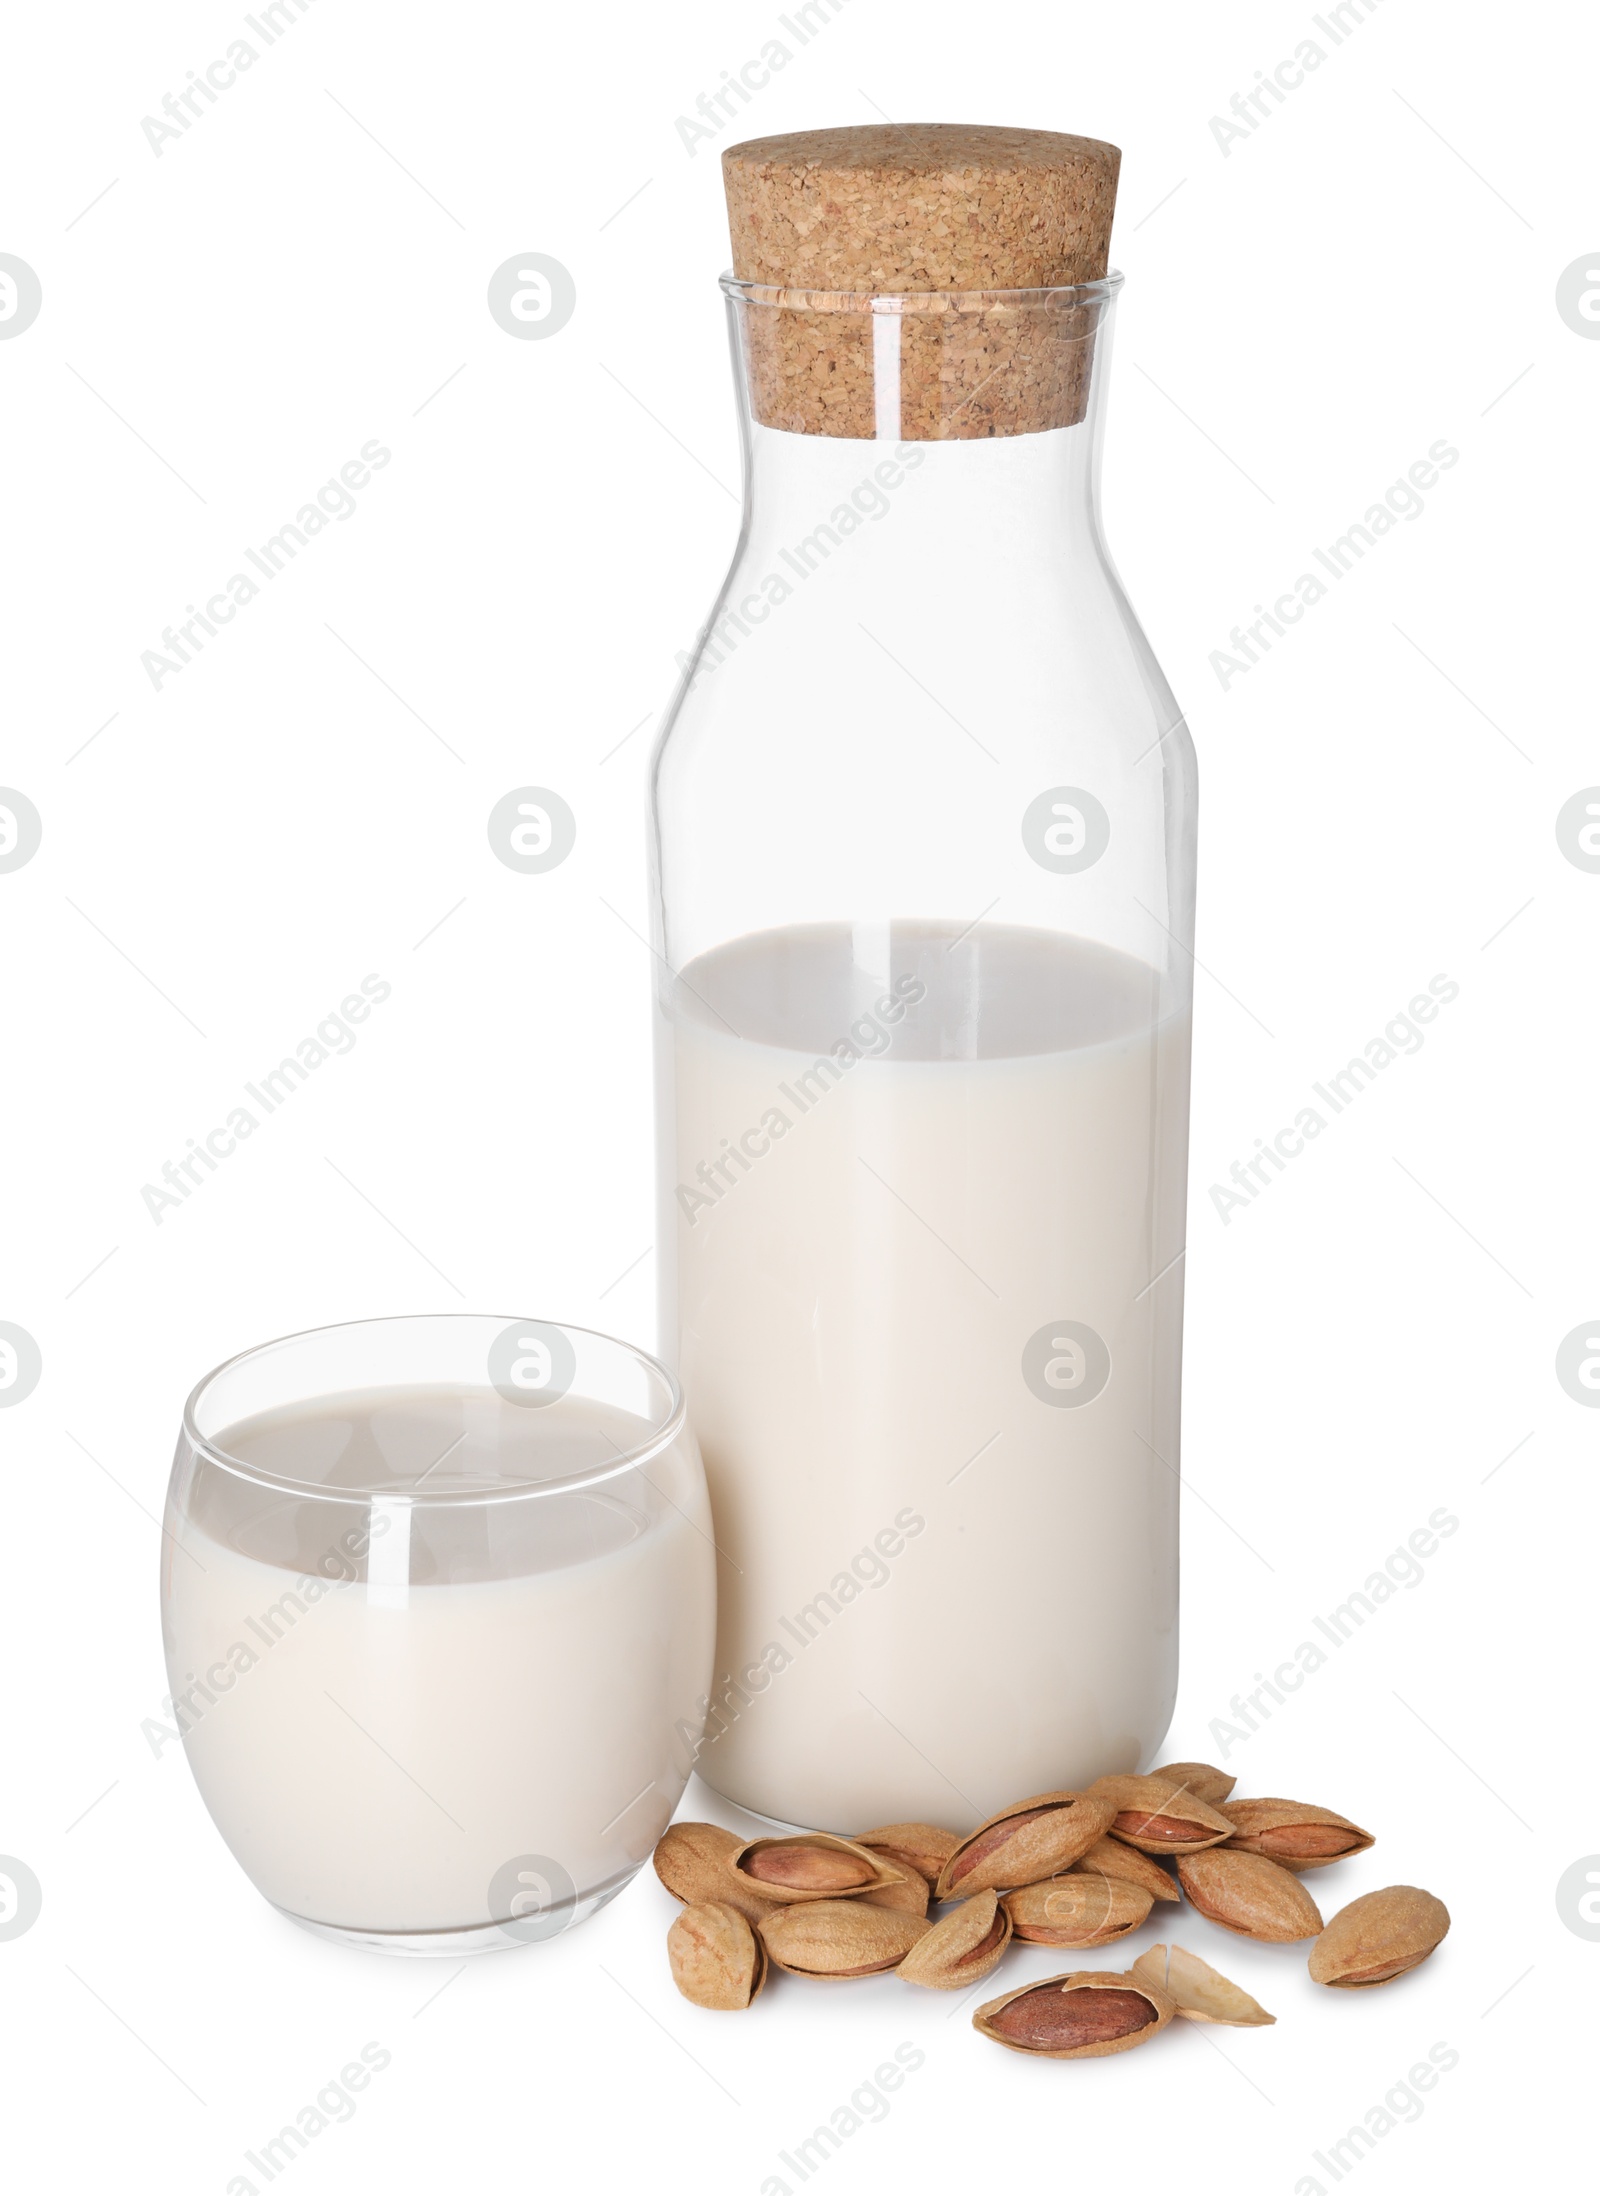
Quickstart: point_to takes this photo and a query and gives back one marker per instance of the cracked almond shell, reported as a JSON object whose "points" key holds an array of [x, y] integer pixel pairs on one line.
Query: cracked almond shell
{"points": [[1293, 1834], [1076, 1910], [1036, 1838], [1155, 1816], [1198, 1991], [962, 1947], [716, 1958], [832, 1939], [1250, 1895], [818, 1865], [1085, 2015], [1380, 1936]]}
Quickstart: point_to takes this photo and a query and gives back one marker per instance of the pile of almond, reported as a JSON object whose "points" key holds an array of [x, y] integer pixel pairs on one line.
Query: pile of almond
{"points": [[1075, 1869]]}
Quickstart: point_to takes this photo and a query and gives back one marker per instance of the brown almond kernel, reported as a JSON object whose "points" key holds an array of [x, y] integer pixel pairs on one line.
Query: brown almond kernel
{"points": [[1053, 2019], [808, 1868], [1167, 1829], [1308, 1840]]}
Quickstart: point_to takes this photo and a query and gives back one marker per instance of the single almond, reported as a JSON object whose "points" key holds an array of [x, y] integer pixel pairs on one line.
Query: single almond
{"points": [[1076, 1910], [1079, 2016], [816, 1866], [1024, 1844], [1198, 1991], [1293, 1834], [1199, 1779], [962, 1947], [691, 1858], [1380, 1936], [717, 1960], [921, 1848], [1154, 1816], [1250, 1895], [1110, 1857], [835, 1938]]}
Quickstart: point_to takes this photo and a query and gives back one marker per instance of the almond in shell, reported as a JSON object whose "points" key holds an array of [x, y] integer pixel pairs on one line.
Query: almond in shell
{"points": [[1110, 1857], [1199, 1779], [1076, 1910], [1380, 1936], [962, 1947], [815, 1866], [1085, 2015], [1250, 1895], [909, 1896], [716, 1958], [1154, 1816], [1293, 1834], [832, 1939], [1023, 1844]]}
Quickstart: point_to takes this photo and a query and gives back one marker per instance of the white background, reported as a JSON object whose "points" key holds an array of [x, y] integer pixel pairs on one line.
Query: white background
{"points": [[1371, 270]]}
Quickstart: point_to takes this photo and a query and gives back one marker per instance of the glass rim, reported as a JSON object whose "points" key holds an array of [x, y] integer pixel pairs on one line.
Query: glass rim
{"points": [[1060, 297], [644, 1452]]}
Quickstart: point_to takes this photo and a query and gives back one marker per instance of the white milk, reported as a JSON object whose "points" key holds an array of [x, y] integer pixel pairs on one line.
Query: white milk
{"points": [[501, 1681], [909, 1628]]}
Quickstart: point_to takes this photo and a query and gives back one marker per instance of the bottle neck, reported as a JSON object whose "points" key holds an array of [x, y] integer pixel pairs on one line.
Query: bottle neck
{"points": [[945, 510]]}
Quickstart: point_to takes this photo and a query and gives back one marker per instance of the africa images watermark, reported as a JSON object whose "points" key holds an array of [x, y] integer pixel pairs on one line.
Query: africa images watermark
{"points": [[868, 501], [1255, 106], [332, 2102], [867, 1038], [183, 109], [1401, 500], [334, 500], [1401, 2105], [1400, 1035], [333, 1034], [1402, 1569], [338, 1565], [867, 2103], [865, 1572], [718, 108]]}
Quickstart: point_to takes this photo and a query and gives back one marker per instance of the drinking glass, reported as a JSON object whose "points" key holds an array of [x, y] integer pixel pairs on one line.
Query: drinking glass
{"points": [[438, 1603]]}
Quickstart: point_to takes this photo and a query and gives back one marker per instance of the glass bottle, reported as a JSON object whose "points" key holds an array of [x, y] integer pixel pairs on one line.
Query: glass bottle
{"points": [[923, 839]]}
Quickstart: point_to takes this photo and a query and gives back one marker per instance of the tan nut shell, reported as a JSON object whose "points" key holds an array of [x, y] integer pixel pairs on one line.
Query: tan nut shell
{"points": [[963, 1947], [1077, 1910], [1064, 1825], [1199, 1779], [1110, 1857], [691, 1859], [921, 1848], [1276, 1827], [1249, 1895], [909, 1896], [875, 1871], [835, 1938], [717, 1960], [1198, 1991], [1161, 2004], [1149, 1800], [1380, 1936]]}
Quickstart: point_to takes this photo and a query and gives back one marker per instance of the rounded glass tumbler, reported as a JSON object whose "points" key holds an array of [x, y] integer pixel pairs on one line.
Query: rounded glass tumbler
{"points": [[438, 1603]]}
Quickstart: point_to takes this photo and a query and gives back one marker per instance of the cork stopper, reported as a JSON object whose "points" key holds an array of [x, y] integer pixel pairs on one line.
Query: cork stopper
{"points": [[932, 220]]}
